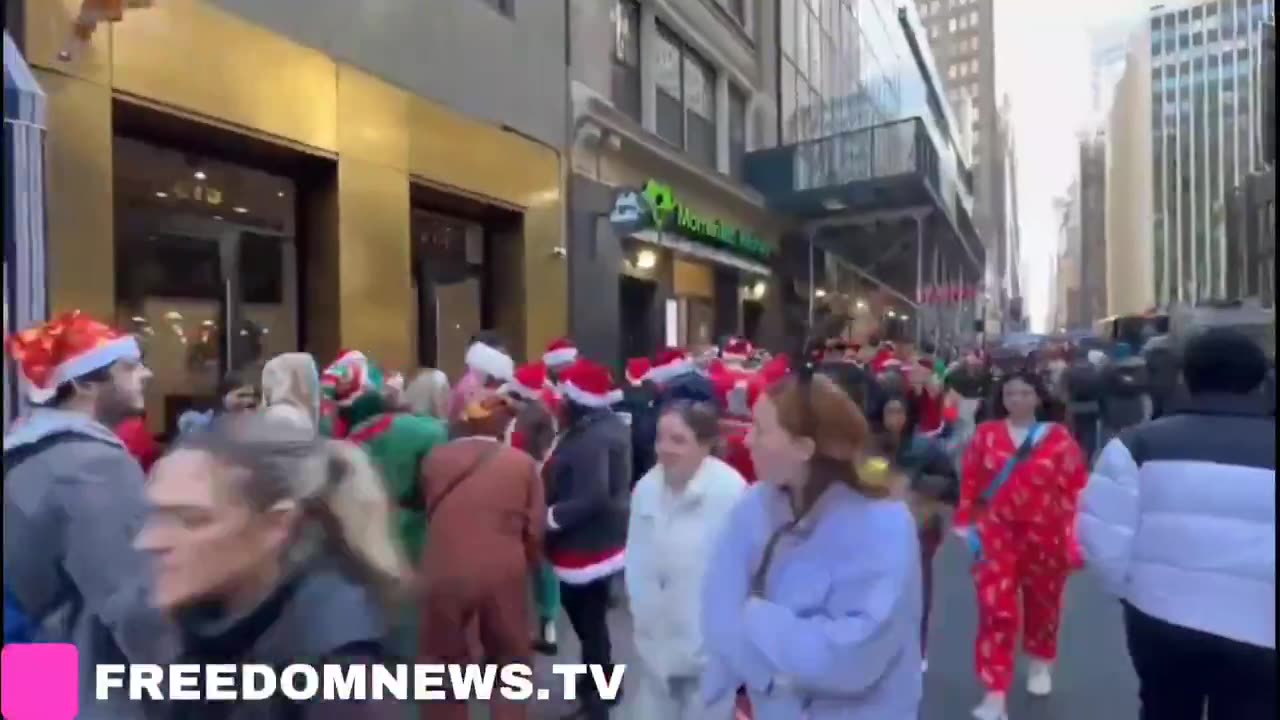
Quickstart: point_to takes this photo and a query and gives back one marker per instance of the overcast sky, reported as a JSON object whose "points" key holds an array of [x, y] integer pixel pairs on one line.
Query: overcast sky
{"points": [[1043, 64]]}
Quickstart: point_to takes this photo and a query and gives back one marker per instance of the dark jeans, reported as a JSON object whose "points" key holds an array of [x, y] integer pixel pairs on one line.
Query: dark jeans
{"points": [[1180, 670], [588, 609], [930, 541], [1087, 433]]}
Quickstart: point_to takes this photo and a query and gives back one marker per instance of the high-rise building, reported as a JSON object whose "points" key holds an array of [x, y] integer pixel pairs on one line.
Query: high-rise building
{"points": [[1093, 225], [1108, 48], [1131, 258], [1066, 281], [962, 38], [1207, 128], [870, 163], [667, 99]]}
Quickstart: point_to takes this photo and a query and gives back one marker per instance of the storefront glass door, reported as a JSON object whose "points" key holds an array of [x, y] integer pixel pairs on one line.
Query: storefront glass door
{"points": [[206, 297]]}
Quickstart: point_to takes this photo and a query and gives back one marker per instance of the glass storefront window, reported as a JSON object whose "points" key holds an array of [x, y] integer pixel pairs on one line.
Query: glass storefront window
{"points": [[206, 270]]}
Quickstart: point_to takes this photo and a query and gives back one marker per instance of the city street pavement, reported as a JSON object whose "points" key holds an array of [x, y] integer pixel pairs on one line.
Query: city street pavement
{"points": [[1094, 679]]}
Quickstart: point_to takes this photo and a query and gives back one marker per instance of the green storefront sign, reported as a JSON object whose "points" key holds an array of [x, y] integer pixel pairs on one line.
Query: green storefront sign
{"points": [[670, 215]]}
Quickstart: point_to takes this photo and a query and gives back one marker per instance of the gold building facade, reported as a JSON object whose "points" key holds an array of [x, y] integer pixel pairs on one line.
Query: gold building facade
{"points": [[349, 164]]}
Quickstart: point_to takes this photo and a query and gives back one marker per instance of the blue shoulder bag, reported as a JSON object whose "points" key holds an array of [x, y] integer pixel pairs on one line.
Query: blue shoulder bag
{"points": [[1034, 436]]}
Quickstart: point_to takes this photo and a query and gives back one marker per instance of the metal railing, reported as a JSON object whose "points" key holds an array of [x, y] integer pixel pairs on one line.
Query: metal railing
{"points": [[893, 149]]}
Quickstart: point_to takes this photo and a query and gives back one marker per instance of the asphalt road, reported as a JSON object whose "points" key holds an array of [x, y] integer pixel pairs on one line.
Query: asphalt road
{"points": [[1094, 679]]}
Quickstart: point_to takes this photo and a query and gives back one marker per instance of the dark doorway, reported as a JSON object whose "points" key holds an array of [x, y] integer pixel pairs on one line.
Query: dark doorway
{"points": [[636, 301], [752, 314]]}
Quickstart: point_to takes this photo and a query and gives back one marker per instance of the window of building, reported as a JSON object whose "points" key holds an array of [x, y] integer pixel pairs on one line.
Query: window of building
{"points": [[737, 131], [686, 104], [951, 72], [973, 66], [737, 9], [951, 25], [700, 108], [933, 32], [670, 94], [973, 19], [506, 7], [626, 57], [206, 270]]}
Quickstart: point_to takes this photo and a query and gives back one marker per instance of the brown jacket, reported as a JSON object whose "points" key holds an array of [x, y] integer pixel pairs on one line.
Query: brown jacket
{"points": [[489, 528]]}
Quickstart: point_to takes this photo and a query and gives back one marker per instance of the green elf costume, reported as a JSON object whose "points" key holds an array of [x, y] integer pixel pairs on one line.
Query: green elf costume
{"points": [[354, 408]]}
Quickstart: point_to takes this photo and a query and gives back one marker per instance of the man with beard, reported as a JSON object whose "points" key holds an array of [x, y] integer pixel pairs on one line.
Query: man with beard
{"points": [[74, 501]]}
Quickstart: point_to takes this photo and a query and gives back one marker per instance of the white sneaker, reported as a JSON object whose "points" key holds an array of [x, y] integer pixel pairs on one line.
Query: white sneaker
{"points": [[992, 708], [924, 666], [1039, 678]]}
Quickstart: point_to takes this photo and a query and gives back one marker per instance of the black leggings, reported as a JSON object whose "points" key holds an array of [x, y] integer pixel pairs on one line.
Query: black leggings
{"points": [[1180, 670]]}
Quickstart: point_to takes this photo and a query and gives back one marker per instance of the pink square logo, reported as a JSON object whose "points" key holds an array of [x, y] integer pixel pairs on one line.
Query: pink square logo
{"points": [[40, 682]]}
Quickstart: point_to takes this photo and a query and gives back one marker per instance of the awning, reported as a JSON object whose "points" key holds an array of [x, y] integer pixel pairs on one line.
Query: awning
{"points": [[701, 251], [25, 272]]}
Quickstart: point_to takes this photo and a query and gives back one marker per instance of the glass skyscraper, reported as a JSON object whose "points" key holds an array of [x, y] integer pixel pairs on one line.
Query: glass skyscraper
{"points": [[1206, 137]]}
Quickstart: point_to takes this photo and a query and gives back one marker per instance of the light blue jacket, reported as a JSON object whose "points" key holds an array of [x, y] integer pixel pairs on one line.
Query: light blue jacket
{"points": [[837, 633]]}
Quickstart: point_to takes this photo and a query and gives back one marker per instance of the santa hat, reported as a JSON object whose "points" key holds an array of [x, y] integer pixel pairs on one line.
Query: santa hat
{"points": [[529, 382], [670, 363], [350, 377], [560, 352], [66, 348], [490, 361], [772, 372], [590, 385], [637, 368], [737, 350]]}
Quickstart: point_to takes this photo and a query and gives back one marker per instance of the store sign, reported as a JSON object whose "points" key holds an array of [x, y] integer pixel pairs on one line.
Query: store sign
{"points": [[671, 214], [656, 207]]}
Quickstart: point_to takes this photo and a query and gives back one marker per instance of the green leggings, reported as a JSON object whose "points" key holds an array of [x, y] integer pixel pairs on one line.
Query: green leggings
{"points": [[546, 592]]}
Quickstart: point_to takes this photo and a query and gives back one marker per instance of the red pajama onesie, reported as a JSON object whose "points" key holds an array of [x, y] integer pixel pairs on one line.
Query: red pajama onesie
{"points": [[1027, 533]]}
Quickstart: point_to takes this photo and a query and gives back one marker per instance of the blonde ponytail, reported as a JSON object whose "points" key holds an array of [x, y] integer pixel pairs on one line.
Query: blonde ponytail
{"points": [[344, 502], [358, 515]]}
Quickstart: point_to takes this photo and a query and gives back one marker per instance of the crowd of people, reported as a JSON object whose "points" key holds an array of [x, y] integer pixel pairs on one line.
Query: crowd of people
{"points": [[339, 513]]}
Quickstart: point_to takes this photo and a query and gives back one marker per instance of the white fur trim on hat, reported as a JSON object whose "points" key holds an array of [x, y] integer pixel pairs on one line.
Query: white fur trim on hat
{"points": [[662, 373], [560, 356], [589, 399], [122, 348], [490, 361]]}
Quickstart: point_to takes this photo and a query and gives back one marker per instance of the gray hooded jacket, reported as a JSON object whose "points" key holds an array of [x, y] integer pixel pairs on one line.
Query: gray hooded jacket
{"points": [[73, 504]]}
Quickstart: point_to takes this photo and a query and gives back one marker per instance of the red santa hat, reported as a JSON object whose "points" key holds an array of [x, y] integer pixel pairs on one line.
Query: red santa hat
{"points": [[66, 348], [490, 361], [560, 352], [529, 382], [737, 350], [772, 372], [588, 384], [670, 363], [637, 368]]}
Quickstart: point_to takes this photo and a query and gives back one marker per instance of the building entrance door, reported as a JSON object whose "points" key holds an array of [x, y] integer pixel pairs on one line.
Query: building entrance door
{"points": [[206, 298]]}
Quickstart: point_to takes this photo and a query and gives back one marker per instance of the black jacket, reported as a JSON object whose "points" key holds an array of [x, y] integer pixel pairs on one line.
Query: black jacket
{"points": [[1124, 386], [318, 617], [644, 404], [589, 486], [640, 408]]}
